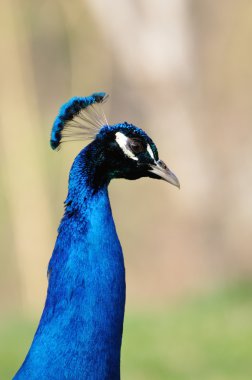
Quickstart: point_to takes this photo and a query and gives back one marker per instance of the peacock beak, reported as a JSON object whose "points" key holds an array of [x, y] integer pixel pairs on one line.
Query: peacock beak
{"points": [[163, 172]]}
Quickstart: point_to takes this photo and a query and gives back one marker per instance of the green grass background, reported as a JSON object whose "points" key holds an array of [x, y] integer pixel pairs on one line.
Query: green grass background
{"points": [[209, 338]]}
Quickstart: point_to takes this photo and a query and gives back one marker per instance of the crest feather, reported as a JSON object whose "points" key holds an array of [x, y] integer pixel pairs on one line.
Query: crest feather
{"points": [[79, 119]]}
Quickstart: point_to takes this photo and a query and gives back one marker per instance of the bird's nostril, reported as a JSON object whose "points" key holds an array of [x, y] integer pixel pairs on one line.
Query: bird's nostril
{"points": [[162, 164]]}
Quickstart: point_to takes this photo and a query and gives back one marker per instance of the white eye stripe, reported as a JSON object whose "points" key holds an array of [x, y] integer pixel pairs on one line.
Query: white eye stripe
{"points": [[149, 150], [122, 140]]}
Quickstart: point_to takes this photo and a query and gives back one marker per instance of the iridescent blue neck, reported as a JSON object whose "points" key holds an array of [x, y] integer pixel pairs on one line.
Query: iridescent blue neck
{"points": [[80, 332]]}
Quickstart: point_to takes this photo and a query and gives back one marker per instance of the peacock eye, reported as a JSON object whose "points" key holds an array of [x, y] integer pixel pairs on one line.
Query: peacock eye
{"points": [[136, 146]]}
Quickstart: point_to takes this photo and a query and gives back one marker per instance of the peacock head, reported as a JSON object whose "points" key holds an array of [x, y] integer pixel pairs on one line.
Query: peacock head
{"points": [[118, 151]]}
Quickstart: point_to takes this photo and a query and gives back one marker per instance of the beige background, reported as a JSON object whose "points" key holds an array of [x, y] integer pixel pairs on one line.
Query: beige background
{"points": [[179, 69]]}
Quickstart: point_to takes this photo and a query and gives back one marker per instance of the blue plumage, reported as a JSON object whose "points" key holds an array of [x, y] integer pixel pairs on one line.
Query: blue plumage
{"points": [[80, 331]]}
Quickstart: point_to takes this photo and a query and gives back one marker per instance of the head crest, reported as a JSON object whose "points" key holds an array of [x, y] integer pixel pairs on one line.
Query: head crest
{"points": [[79, 119]]}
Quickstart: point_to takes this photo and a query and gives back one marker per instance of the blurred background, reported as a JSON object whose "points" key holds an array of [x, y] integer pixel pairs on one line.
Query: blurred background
{"points": [[181, 70]]}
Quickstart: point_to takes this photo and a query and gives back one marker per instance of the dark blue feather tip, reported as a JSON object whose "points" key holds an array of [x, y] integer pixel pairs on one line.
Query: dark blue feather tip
{"points": [[77, 118]]}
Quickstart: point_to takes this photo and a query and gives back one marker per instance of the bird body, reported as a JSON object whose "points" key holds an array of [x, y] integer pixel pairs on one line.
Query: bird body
{"points": [[80, 332]]}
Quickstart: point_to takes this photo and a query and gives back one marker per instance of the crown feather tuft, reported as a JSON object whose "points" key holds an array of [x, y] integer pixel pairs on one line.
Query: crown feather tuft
{"points": [[79, 119]]}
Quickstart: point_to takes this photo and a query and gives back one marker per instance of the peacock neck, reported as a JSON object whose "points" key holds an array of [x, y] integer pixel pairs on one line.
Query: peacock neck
{"points": [[88, 287], [85, 303]]}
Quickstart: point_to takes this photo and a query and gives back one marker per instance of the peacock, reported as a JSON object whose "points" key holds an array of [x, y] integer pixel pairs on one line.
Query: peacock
{"points": [[80, 331]]}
